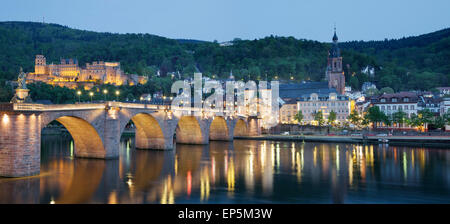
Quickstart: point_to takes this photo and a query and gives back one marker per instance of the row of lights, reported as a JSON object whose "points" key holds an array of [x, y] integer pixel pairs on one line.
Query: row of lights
{"points": [[91, 94]]}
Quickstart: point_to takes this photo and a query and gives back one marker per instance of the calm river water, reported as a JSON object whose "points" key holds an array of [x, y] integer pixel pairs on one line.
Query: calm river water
{"points": [[243, 171]]}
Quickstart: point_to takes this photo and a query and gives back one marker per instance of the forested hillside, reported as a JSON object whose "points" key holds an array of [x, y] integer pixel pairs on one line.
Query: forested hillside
{"points": [[420, 62]]}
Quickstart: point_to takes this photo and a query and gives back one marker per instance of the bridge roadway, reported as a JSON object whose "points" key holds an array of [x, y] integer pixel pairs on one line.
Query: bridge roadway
{"points": [[96, 129]]}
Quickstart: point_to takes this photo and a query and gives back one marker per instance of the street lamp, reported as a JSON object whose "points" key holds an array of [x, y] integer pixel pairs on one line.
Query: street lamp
{"points": [[91, 94], [117, 95], [105, 91], [79, 94]]}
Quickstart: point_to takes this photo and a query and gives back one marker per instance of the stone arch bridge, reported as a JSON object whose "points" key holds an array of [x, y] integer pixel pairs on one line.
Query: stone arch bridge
{"points": [[96, 130]]}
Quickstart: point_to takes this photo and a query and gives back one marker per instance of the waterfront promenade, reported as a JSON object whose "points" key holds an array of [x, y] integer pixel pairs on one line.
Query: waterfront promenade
{"points": [[428, 141]]}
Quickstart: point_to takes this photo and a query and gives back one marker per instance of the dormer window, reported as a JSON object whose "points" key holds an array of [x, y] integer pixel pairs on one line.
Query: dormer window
{"points": [[383, 100], [394, 100], [406, 99]]}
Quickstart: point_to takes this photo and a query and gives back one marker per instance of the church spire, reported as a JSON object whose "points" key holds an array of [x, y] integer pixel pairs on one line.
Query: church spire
{"points": [[335, 51], [335, 38]]}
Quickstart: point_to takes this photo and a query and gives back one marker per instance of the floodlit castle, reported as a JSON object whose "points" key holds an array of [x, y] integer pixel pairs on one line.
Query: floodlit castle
{"points": [[69, 74]]}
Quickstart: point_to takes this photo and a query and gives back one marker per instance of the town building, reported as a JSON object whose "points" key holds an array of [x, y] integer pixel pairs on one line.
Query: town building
{"points": [[430, 103], [443, 91], [288, 111], [444, 106], [391, 103], [69, 74], [309, 105], [368, 85], [312, 97]]}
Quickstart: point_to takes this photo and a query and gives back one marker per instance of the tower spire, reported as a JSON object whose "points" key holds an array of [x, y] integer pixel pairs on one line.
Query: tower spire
{"points": [[335, 38]]}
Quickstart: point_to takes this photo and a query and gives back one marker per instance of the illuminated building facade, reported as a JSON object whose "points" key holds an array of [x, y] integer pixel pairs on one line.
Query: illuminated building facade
{"points": [[69, 74], [309, 105], [288, 112]]}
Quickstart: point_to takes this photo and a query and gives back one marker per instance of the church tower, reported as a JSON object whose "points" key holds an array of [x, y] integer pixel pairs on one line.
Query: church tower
{"points": [[334, 72]]}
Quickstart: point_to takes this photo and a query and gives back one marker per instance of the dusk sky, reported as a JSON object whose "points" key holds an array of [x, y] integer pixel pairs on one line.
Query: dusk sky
{"points": [[225, 20]]}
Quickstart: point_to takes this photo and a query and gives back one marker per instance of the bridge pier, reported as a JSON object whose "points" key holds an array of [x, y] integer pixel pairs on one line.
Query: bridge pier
{"points": [[111, 135], [254, 126], [20, 144]]}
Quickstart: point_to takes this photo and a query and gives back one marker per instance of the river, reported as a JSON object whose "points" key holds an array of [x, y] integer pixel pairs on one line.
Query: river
{"points": [[242, 171]]}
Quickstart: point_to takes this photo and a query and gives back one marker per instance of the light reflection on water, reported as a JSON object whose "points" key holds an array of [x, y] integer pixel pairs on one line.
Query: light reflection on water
{"points": [[242, 171]]}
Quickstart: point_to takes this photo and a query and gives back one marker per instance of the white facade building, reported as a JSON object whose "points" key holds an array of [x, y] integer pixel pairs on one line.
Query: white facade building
{"points": [[325, 103]]}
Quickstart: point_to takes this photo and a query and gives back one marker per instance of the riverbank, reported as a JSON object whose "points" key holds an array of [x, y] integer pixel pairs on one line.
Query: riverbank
{"points": [[418, 141]]}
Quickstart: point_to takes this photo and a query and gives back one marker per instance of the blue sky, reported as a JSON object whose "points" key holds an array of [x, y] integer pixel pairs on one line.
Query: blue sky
{"points": [[224, 20]]}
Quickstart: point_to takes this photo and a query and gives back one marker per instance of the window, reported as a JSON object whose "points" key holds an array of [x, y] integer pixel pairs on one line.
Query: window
{"points": [[394, 107], [382, 108], [394, 100], [412, 107], [406, 99], [383, 100], [388, 107], [405, 107]]}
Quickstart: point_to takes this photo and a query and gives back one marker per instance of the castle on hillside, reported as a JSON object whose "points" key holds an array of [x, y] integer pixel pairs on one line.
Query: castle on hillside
{"points": [[69, 74]]}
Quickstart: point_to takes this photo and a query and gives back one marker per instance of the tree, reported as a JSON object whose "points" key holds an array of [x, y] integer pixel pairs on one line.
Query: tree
{"points": [[354, 83], [375, 115], [355, 118], [387, 120], [332, 117], [299, 116], [372, 92], [414, 121], [318, 116], [447, 117], [388, 90], [365, 121], [425, 117], [399, 117], [439, 122]]}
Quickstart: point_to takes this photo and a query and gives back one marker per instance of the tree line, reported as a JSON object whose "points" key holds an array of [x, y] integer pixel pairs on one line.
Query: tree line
{"points": [[422, 120], [416, 63]]}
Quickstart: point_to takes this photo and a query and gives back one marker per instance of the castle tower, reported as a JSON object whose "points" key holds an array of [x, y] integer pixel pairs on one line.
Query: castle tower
{"points": [[40, 65], [334, 72]]}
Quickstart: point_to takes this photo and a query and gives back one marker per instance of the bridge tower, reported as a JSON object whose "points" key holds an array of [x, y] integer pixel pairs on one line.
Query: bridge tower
{"points": [[20, 144]]}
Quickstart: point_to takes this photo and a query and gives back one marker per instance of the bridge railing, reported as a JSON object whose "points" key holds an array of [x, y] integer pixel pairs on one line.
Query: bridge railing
{"points": [[27, 106], [134, 105], [94, 106]]}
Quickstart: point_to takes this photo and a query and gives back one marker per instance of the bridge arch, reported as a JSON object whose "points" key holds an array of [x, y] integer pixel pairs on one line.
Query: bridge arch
{"points": [[88, 142], [219, 130], [241, 128], [189, 131], [149, 134]]}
